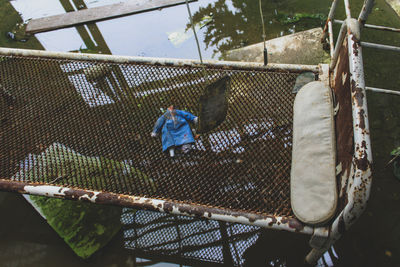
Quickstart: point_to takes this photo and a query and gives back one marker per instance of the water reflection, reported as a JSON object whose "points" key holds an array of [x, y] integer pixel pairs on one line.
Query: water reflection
{"points": [[187, 238]]}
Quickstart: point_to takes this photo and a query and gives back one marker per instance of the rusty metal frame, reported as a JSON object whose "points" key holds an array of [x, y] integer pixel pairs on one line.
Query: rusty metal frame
{"points": [[265, 221], [360, 175], [160, 61], [362, 18], [161, 205]]}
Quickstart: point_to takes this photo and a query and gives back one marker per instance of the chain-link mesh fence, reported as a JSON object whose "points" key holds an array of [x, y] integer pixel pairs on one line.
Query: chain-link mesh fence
{"points": [[87, 124]]}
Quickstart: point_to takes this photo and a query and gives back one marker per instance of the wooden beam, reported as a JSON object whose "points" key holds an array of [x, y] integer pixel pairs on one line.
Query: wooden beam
{"points": [[98, 13]]}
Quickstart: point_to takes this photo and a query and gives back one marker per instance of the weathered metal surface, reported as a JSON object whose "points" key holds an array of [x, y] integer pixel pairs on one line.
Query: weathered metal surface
{"points": [[339, 42], [63, 134], [330, 18], [265, 221], [365, 11], [230, 65], [343, 121], [347, 9], [97, 14], [353, 23], [360, 178]]}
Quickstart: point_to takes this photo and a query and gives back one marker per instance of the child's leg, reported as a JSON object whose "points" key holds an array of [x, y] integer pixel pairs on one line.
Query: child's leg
{"points": [[171, 151]]}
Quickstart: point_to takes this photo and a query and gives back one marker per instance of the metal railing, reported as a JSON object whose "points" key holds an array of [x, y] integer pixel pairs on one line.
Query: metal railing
{"points": [[362, 18]]}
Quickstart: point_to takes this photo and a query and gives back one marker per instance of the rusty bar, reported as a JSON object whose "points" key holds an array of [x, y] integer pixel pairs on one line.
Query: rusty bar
{"points": [[330, 18], [379, 90], [362, 161], [360, 175], [371, 26], [339, 41], [265, 221], [381, 46], [365, 11], [347, 9], [158, 61]]}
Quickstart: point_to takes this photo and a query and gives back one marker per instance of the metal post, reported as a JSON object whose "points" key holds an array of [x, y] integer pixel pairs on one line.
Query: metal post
{"points": [[339, 42], [347, 8], [365, 10], [330, 18]]}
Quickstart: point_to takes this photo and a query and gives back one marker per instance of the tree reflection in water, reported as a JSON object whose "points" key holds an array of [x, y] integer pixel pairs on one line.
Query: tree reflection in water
{"points": [[237, 23]]}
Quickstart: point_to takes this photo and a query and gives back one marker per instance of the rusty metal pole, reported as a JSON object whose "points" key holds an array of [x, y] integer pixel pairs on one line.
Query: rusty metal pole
{"points": [[360, 174], [365, 11], [339, 42], [296, 68], [330, 18]]}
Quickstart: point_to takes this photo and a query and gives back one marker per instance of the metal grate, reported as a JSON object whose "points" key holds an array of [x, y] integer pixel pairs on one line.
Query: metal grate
{"points": [[183, 238], [87, 124]]}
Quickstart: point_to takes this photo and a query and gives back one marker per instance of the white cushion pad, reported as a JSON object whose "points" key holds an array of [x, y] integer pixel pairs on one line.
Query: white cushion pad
{"points": [[313, 174]]}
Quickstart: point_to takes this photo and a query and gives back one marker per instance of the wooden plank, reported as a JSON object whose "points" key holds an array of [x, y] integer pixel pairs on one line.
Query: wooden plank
{"points": [[98, 13]]}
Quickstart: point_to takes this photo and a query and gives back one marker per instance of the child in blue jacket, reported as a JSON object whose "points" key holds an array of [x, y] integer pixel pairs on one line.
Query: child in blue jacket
{"points": [[175, 130]]}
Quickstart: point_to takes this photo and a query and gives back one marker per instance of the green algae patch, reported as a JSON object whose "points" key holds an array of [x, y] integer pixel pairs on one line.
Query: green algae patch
{"points": [[85, 227], [60, 165], [11, 21]]}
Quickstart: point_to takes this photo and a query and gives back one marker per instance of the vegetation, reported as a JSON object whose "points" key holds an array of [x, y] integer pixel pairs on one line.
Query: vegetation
{"points": [[85, 227], [11, 21]]}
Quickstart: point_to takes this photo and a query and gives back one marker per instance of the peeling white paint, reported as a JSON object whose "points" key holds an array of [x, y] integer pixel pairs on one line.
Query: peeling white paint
{"points": [[46, 190]]}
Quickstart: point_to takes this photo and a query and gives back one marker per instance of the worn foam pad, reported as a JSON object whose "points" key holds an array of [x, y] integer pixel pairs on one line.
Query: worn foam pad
{"points": [[313, 174]]}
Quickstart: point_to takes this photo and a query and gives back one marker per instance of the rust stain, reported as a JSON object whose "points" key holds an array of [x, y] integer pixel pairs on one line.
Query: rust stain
{"points": [[358, 93], [362, 163], [362, 119], [344, 119], [77, 194], [356, 45], [364, 144], [296, 224]]}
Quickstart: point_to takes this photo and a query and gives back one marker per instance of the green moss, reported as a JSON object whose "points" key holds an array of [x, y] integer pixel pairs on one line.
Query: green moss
{"points": [[85, 227], [61, 165], [288, 19], [11, 21]]}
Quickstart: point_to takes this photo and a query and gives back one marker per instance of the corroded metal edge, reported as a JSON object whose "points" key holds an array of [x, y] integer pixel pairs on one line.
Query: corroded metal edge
{"points": [[265, 221], [360, 176], [160, 61], [359, 191]]}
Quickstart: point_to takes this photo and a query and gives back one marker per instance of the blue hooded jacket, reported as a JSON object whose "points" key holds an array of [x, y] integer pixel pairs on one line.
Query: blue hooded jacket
{"points": [[175, 128]]}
